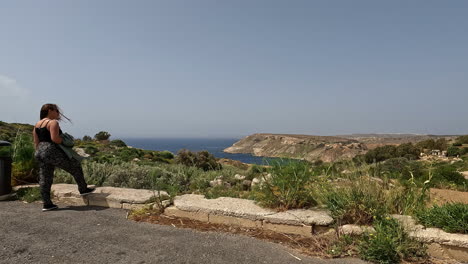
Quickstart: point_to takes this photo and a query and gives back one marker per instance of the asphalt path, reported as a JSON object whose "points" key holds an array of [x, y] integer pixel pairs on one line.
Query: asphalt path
{"points": [[104, 235]]}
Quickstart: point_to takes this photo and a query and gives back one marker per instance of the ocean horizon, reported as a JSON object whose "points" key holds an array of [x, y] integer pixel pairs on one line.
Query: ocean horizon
{"points": [[214, 146]]}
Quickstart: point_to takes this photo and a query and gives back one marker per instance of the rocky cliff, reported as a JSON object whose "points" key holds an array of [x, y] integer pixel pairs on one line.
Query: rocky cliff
{"points": [[306, 147]]}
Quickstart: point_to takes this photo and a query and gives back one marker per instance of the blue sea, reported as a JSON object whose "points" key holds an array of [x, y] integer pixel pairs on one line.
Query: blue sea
{"points": [[214, 146]]}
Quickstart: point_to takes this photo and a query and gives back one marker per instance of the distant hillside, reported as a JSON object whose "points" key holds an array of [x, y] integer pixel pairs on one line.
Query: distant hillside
{"points": [[305, 147], [375, 140], [8, 131], [326, 148]]}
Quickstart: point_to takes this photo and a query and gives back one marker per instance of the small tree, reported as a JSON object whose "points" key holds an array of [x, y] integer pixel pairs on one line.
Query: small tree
{"points": [[103, 135], [87, 138]]}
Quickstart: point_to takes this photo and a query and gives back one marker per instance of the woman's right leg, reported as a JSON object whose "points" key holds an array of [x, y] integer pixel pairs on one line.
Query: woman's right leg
{"points": [[46, 178]]}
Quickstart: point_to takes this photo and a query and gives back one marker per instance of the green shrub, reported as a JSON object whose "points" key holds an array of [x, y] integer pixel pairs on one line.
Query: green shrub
{"points": [[380, 154], [447, 174], [451, 217], [203, 160], [118, 143], [406, 150], [430, 144], [29, 194], [166, 154], [289, 186], [453, 151], [102, 135], [87, 138], [389, 243], [395, 166], [91, 150]]}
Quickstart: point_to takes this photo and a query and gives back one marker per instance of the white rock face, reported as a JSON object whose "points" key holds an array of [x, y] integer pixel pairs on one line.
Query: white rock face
{"points": [[216, 182], [255, 182], [81, 152], [239, 177]]}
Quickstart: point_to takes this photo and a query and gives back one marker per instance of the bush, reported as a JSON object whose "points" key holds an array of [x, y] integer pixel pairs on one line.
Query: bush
{"points": [[29, 194], [166, 155], [451, 217], [395, 166], [447, 174], [406, 150], [91, 150], [203, 160], [118, 143], [87, 138], [103, 135], [430, 144], [380, 154], [389, 244], [453, 151], [289, 186]]}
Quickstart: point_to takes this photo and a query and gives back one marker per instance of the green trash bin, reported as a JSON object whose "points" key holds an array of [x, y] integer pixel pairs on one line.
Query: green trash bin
{"points": [[5, 169]]}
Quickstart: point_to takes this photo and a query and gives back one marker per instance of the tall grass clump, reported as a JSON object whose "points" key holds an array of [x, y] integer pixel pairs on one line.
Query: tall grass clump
{"points": [[24, 167], [389, 243], [452, 217], [287, 186], [355, 202], [366, 193]]}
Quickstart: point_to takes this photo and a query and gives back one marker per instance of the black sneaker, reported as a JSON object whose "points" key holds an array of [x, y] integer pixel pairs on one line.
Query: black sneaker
{"points": [[49, 207], [87, 191]]}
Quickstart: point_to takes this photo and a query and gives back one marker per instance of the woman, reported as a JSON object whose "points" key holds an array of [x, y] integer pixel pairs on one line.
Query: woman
{"points": [[46, 135]]}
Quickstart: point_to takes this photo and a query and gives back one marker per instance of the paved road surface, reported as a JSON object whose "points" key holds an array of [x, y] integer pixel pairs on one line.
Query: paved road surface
{"points": [[103, 235]]}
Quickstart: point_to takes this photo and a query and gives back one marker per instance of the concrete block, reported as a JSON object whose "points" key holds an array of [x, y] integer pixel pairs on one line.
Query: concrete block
{"points": [[82, 201], [318, 229], [448, 252], [96, 200], [229, 220], [199, 216], [305, 230], [458, 253], [129, 206]]}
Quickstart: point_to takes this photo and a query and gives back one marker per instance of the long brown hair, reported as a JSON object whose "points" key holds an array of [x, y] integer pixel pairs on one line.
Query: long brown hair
{"points": [[45, 111]]}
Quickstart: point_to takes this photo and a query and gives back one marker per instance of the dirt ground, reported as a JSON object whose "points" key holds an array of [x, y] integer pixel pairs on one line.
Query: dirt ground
{"points": [[441, 196]]}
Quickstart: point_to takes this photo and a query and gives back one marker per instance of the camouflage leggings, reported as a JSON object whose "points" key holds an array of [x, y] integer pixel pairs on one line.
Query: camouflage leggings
{"points": [[49, 155]]}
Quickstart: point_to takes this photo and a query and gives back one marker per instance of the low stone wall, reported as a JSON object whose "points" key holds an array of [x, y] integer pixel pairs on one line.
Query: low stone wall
{"points": [[121, 198], [246, 213]]}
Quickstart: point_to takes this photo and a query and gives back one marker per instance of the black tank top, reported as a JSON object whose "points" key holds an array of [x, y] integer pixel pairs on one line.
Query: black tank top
{"points": [[44, 134]]}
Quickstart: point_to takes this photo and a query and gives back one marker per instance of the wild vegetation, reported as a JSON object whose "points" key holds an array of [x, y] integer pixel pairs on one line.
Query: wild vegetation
{"points": [[365, 191]]}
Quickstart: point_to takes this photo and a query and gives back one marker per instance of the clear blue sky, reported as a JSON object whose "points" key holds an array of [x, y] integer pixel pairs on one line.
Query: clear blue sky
{"points": [[233, 68]]}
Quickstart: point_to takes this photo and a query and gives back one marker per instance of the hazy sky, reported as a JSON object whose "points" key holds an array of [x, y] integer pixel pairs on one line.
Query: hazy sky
{"points": [[233, 68]]}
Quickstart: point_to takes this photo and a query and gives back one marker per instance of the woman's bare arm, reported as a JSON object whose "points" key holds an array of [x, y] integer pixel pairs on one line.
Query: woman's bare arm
{"points": [[36, 139], [54, 129]]}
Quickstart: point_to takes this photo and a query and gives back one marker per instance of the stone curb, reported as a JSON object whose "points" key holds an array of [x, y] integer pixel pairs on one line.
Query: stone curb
{"points": [[440, 243], [121, 198], [246, 213]]}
